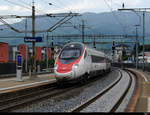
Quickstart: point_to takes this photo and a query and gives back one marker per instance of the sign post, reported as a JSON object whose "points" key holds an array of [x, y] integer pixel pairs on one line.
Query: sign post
{"points": [[19, 67], [33, 40]]}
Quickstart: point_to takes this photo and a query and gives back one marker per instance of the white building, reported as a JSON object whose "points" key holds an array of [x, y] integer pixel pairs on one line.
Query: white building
{"points": [[118, 52]]}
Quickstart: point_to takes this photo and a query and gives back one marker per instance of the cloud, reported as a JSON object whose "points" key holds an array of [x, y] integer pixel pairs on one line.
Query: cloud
{"points": [[83, 6], [96, 5], [71, 5], [127, 3], [4, 7], [8, 10], [19, 9]]}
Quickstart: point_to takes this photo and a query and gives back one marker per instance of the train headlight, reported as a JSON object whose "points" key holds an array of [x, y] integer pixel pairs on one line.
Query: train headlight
{"points": [[75, 66], [55, 67]]}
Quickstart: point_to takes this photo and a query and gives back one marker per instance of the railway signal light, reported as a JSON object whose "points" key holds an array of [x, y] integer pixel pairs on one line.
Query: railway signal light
{"points": [[94, 44], [52, 45], [113, 47], [113, 43]]}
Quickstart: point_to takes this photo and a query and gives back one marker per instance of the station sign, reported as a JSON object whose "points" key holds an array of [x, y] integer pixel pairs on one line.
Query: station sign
{"points": [[32, 39]]}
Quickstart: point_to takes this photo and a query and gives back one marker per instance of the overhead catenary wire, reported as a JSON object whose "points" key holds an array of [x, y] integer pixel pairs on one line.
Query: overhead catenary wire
{"points": [[117, 4], [61, 3], [26, 6], [36, 9], [18, 4], [115, 16], [5, 23], [54, 4], [16, 30]]}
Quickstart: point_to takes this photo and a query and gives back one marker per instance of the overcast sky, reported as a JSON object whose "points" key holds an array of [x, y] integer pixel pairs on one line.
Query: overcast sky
{"points": [[23, 7]]}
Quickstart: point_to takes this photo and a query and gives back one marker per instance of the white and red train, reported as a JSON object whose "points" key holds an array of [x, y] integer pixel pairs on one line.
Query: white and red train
{"points": [[77, 62]]}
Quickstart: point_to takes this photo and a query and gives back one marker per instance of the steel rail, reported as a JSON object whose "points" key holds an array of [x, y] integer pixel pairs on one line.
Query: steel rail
{"points": [[124, 94], [51, 90], [20, 100], [12, 103], [93, 99]]}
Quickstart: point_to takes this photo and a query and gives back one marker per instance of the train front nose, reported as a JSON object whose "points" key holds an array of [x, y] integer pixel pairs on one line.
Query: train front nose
{"points": [[64, 76], [63, 72]]}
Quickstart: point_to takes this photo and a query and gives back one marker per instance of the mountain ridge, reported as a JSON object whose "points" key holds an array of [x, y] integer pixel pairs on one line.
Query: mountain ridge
{"points": [[115, 22]]}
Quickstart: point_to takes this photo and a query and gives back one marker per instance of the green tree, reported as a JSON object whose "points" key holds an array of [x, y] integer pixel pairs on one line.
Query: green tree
{"points": [[51, 62], [124, 55], [140, 48]]}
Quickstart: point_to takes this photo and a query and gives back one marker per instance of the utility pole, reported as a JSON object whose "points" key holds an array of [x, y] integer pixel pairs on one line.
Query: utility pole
{"points": [[143, 10], [82, 31], [52, 49], [94, 43], [137, 46], [113, 50], [47, 53], [122, 55], [143, 38], [33, 35], [26, 67]]}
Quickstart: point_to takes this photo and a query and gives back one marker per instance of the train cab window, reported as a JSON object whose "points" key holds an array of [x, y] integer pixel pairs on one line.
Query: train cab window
{"points": [[85, 54], [70, 53]]}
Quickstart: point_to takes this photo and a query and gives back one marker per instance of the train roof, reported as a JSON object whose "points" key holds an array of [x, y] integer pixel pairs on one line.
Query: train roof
{"points": [[85, 46], [75, 43]]}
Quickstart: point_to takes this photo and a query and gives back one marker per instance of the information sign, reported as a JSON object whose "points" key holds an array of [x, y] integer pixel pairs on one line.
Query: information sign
{"points": [[32, 39]]}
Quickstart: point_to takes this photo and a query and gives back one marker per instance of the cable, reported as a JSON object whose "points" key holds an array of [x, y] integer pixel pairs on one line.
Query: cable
{"points": [[54, 4], [115, 16], [36, 9], [25, 3], [5, 23], [115, 3], [18, 4], [75, 27], [29, 8], [61, 3]]}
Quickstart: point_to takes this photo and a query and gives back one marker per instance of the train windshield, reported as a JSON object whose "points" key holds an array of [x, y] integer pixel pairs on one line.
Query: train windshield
{"points": [[70, 53]]}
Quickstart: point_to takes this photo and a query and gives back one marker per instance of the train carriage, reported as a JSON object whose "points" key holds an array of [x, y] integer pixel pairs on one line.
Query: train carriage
{"points": [[76, 62]]}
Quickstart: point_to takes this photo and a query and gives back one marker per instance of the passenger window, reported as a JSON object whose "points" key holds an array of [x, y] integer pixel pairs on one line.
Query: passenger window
{"points": [[85, 54]]}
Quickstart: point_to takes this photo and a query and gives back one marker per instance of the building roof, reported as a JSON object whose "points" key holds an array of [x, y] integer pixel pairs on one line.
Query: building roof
{"points": [[3, 43]]}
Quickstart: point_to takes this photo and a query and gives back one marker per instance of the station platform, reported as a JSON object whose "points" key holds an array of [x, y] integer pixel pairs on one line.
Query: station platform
{"points": [[11, 84], [143, 102]]}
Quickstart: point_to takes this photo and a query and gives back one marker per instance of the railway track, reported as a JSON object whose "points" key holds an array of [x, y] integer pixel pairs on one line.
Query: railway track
{"points": [[14, 101], [19, 100], [102, 93]]}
